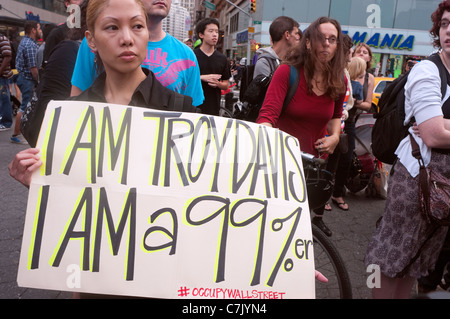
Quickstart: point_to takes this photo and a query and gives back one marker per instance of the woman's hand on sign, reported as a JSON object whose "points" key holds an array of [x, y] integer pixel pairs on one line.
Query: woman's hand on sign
{"points": [[24, 164], [321, 277]]}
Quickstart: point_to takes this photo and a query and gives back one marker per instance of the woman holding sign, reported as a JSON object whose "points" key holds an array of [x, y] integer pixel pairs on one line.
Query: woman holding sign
{"points": [[313, 115], [117, 33]]}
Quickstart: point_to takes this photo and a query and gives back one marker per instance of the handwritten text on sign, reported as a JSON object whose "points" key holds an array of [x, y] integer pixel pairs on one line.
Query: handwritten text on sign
{"points": [[138, 202]]}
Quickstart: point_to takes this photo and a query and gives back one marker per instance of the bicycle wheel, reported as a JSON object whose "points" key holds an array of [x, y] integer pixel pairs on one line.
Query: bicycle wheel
{"points": [[224, 112], [328, 261]]}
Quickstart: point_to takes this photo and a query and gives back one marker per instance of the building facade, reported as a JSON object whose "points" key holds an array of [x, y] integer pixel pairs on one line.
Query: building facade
{"points": [[52, 11], [396, 30], [178, 22]]}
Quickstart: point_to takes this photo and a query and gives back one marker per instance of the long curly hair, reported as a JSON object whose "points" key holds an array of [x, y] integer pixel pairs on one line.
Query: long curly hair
{"points": [[306, 58], [436, 17]]}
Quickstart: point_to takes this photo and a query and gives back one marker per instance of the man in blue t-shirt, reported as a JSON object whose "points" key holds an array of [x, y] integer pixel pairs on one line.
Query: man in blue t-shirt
{"points": [[173, 63]]}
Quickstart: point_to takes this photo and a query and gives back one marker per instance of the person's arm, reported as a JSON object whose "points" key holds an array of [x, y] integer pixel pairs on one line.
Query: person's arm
{"points": [[210, 78], [6, 53], [276, 93], [195, 89], [367, 103], [435, 132], [6, 61], [214, 81], [34, 74], [328, 143], [262, 67], [75, 91], [224, 82], [423, 102], [31, 58], [223, 85]]}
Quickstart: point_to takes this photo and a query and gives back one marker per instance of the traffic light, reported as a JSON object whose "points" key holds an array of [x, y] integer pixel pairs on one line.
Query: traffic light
{"points": [[252, 5]]}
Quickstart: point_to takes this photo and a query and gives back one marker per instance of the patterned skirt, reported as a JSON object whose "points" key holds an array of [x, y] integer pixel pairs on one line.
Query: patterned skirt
{"points": [[402, 232]]}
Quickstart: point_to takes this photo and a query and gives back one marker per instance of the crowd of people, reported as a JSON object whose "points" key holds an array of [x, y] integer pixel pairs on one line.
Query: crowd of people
{"points": [[121, 55]]}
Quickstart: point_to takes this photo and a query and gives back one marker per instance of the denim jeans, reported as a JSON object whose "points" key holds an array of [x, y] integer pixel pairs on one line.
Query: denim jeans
{"points": [[26, 88], [5, 103]]}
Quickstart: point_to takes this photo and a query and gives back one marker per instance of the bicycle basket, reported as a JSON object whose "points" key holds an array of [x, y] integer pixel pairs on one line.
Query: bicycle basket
{"points": [[319, 185]]}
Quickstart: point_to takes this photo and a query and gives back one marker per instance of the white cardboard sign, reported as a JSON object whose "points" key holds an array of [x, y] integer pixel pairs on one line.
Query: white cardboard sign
{"points": [[133, 201]]}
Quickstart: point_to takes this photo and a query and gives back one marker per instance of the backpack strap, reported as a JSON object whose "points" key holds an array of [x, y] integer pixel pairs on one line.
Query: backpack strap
{"points": [[272, 63], [294, 79], [443, 73]]}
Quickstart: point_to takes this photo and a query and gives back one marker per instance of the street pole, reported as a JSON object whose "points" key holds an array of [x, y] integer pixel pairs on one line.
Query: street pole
{"points": [[250, 24]]}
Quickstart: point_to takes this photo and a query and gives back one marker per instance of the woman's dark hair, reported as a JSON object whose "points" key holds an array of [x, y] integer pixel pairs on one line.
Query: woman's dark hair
{"points": [[436, 17], [306, 58], [348, 43]]}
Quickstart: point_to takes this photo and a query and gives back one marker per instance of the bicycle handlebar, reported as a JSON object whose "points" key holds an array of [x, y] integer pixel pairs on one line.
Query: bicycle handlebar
{"points": [[311, 158]]}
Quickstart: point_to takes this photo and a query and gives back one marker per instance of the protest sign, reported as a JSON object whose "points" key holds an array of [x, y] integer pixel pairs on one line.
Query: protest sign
{"points": [[133, 201]]}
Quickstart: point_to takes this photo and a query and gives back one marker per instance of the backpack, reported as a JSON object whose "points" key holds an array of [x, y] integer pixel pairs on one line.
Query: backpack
{"points": [[248, 72], [249, 110], [389, 129]]}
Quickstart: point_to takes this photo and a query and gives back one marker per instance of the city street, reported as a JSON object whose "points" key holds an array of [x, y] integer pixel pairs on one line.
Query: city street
{"points": [[351, 231]]}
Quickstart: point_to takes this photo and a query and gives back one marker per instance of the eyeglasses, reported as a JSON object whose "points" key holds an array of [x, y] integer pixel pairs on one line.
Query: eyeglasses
{"points": [[444, 23], [331, 40]]}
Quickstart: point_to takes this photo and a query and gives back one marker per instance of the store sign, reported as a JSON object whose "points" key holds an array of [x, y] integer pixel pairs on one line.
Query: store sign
{"points": [[242, 37], [379, 40], [31, 17]]}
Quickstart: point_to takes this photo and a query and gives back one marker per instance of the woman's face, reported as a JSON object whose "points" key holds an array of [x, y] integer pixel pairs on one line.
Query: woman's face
{"points": [[444, 32], [120, 36], [363, 53], [326, 49]]}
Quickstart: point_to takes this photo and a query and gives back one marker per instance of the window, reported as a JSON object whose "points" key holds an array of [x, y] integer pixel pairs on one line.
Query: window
{"points": [[234, 23]]}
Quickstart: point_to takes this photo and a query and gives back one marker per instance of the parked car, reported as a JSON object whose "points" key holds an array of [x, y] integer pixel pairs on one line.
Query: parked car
{"points": [[381, 83]]}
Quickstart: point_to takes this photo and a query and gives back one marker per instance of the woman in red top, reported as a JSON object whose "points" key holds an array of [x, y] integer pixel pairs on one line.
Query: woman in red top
{"points": [[314, 114]]}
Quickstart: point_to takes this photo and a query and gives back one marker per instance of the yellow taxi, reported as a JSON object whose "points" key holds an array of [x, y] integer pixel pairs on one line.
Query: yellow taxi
{"points": [[381, 83]]}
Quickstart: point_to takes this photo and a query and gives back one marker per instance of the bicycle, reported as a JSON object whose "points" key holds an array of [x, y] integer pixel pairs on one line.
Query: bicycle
{"points": [[327, 259]]}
